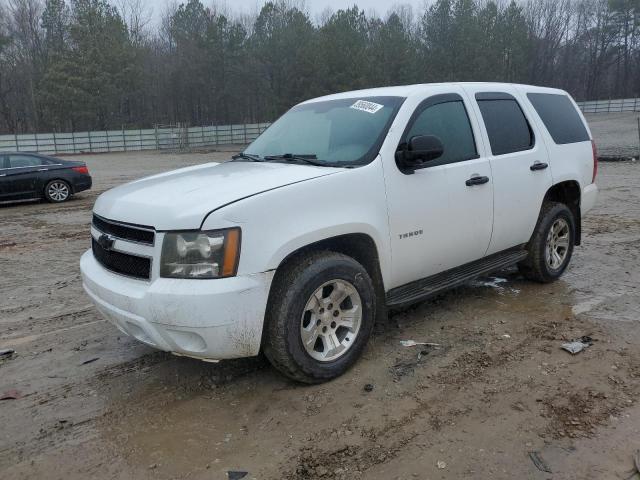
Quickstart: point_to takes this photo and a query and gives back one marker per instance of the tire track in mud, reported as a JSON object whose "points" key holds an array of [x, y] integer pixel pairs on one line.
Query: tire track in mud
{"points": [[59, 429], [20, 212], [128, 367], [18, 341], [62, 320]]}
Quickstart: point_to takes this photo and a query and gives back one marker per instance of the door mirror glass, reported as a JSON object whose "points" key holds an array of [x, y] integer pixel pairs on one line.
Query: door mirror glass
{"points": [[420, 150]]}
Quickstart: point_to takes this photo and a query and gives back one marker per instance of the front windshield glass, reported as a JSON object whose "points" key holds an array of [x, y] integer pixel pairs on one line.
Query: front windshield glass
{"points": [[333, 132]]}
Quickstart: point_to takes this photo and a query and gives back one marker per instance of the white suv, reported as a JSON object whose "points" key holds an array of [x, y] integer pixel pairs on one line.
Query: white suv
{"points": [[346, 206]]}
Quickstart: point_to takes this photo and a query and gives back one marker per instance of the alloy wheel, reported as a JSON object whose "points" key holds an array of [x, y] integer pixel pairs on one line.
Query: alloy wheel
{"points": [[557, 245], [331, 320], [58, 191]]}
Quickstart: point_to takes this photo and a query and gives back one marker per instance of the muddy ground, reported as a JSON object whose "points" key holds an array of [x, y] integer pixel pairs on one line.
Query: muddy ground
{"points": [[616, 134], [95, 404]]}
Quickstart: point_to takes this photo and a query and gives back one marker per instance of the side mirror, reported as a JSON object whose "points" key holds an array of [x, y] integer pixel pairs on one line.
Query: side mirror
{"points": [[419, 151]]}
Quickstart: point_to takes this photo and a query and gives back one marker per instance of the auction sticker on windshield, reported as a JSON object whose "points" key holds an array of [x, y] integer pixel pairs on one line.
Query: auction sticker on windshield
{"points": [[365, 106]]}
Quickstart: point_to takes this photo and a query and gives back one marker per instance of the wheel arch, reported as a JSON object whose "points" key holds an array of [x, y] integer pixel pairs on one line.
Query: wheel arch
{"points": [[359, 246], [54, 179], [568, 193]]}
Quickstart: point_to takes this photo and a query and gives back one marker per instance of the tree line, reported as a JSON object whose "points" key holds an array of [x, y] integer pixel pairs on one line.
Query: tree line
{"points": [[72, 65]]}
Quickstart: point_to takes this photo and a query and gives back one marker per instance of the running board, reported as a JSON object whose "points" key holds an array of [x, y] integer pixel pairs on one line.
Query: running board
{"points": [[427, 287]]}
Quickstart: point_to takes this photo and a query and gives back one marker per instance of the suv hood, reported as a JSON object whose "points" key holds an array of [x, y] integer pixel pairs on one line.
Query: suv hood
{"points": [[180, 200]]}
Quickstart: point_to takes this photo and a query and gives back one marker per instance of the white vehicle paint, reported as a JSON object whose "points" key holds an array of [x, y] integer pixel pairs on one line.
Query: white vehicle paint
{"points": [[176, 200], [420, 221]]}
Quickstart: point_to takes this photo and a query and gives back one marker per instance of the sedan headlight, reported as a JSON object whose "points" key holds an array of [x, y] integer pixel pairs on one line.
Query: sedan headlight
{"points": [[211, 254]]}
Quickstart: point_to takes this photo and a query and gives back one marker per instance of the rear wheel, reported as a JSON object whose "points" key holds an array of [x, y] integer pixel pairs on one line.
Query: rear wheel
{"points": [[57, 191], [551, 246], [320, 316]]}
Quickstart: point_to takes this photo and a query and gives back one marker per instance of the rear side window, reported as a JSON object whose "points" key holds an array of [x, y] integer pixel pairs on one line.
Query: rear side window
{"points": [[560, 117], [449, 122], [18, 161], [507, 126]]}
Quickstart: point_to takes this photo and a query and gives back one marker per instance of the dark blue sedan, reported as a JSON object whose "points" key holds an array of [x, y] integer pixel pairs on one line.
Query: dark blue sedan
{"points": [[30, 176]]}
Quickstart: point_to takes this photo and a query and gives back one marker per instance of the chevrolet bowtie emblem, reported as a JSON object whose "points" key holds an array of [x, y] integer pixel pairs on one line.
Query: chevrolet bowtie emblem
{"points": [[106, 242]]}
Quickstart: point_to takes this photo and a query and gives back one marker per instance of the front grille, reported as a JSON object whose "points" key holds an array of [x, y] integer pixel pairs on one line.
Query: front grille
{"points": [[139, 234], [122, 263]]}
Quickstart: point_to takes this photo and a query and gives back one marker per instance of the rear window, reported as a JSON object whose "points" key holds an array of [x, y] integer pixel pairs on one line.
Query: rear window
{"points": [[507, 126], [560, 117]]}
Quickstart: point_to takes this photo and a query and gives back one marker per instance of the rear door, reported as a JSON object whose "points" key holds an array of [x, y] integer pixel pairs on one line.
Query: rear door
{"points": [[23, 176], [519, 164]]}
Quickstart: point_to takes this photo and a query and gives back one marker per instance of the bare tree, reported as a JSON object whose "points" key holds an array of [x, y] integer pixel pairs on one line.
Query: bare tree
{"points": [[137, 16]]}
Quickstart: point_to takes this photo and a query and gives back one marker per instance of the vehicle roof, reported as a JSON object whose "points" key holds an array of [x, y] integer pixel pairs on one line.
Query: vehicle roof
{"points": [[34, 154], [56, 160], [423, 88]]}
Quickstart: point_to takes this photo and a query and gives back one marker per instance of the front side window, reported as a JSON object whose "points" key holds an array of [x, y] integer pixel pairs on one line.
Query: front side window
{"points": [[334, 132], [21, 161], [507, 126], [450, 123]]}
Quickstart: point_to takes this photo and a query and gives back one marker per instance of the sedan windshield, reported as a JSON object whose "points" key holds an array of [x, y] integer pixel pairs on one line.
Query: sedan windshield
{"points": [[333, 132]]}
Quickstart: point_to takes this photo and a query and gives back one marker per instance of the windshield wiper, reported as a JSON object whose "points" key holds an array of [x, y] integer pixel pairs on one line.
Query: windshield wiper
{"points": [[247, 156], [309, 159]]}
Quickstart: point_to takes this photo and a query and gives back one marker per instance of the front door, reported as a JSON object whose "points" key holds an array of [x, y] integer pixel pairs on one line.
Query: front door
{"points": [[441, 216]]}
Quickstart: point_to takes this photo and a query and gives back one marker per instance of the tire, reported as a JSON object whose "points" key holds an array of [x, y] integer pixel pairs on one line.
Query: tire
{"points": [[57, 191], [294, 317], [542, 265]]}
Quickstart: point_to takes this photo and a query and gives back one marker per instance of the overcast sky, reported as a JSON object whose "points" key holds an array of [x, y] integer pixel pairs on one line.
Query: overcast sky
{"points": [[315, 7]]}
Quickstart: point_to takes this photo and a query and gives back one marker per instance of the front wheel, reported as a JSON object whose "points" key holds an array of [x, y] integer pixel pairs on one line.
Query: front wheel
{"points": [[320, 316], [57, 191], [551, 245]]}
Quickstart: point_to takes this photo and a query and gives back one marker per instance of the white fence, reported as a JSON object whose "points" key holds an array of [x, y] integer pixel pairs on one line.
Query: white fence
{"points": [[610, 106], [171, 137]]}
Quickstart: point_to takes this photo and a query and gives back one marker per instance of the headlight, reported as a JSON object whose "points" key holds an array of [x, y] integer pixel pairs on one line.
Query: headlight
{"points": [[200, 254]]}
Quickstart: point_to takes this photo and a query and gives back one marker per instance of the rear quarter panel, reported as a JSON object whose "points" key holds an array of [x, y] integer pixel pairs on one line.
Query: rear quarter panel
{"points": [[573, 161], [78, 181]]}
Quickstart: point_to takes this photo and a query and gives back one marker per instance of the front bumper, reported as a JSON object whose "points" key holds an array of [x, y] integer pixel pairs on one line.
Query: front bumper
{"points": [[207, 319]]}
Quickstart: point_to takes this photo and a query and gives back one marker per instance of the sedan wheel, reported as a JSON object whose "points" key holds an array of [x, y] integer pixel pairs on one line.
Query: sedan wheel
{"points": [[57, 191]]}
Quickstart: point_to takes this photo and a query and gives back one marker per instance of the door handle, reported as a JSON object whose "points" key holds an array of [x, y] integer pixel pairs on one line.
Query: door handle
{"points": [[538, 166], [477, 180], [43, 169]]}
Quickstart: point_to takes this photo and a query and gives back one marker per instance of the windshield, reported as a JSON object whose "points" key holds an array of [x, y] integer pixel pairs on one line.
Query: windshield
{"points": [[334, 132]]}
